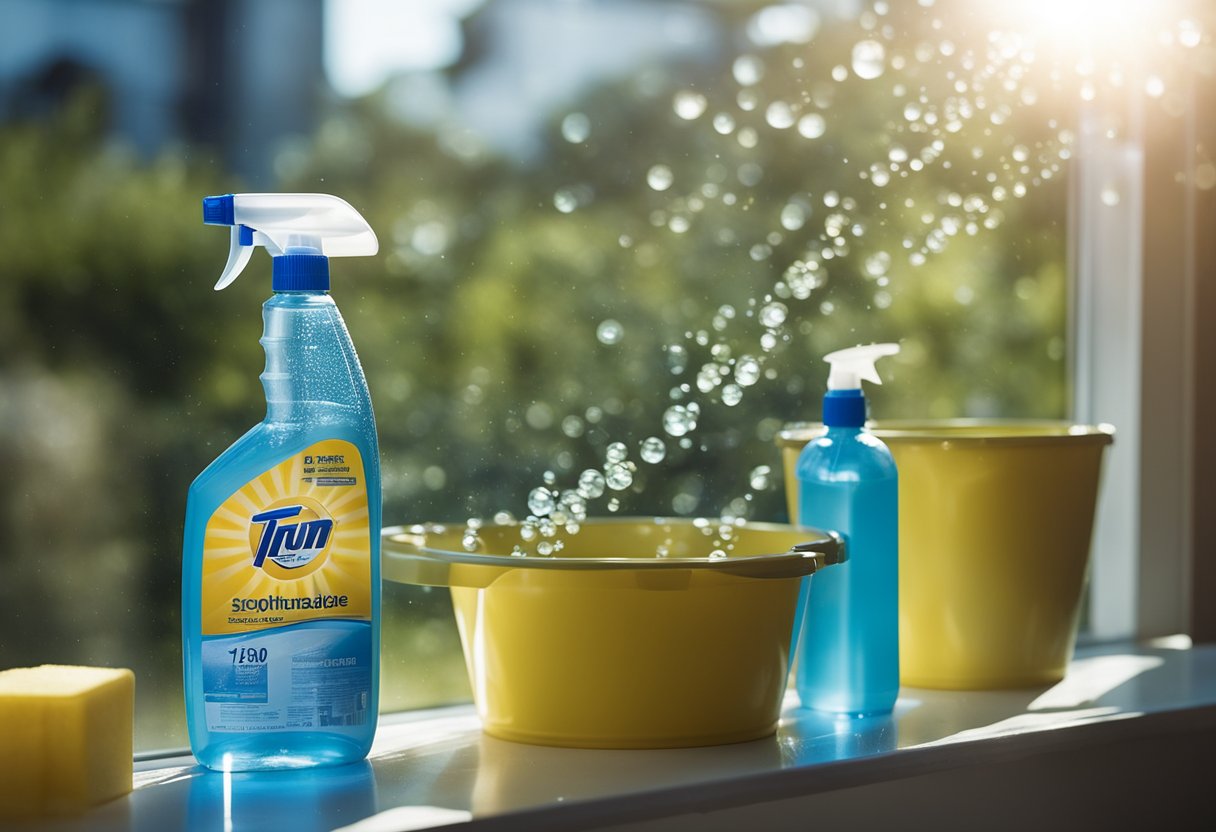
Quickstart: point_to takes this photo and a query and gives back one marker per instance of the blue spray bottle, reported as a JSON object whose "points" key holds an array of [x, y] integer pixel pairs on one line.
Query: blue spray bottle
{"points": [[849, 615], [281, 557]]}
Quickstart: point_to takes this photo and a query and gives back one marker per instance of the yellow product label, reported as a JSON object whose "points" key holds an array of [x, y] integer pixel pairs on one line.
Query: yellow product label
{"points": [[292, 545]]}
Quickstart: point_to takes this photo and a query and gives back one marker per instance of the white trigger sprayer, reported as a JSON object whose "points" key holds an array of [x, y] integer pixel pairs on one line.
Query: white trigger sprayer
{"points": [[852, 366], [306, 223]]}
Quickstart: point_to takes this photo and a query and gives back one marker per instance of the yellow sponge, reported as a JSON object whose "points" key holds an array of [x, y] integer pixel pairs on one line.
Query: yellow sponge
{"points": [[65, 738]]}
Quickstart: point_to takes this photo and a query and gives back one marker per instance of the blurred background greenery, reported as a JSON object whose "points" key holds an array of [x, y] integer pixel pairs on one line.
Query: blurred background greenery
{"points": [[482, 322]]}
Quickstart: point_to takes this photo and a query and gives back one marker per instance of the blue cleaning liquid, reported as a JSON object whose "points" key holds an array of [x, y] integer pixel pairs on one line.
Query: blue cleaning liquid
{"points": [[281, 561], [847, 632]]}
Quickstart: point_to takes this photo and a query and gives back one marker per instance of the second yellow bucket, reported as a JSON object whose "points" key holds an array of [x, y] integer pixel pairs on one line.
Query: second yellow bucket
{"points": [[995, 521]]}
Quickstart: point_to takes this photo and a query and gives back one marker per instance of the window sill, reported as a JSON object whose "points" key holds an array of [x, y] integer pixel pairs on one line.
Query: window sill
{"points": [[1140, 713]]}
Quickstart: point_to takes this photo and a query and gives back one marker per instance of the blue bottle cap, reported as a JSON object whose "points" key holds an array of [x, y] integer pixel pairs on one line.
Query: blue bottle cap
{"points": [[300, 270], [844, 409]]}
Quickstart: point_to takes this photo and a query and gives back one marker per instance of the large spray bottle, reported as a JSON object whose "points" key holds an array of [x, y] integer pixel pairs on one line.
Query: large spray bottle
{"points": [[848, 659], [281, 558]]}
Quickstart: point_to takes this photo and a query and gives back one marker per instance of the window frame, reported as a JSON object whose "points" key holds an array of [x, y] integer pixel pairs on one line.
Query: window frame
{"points": [[1145, 361]]}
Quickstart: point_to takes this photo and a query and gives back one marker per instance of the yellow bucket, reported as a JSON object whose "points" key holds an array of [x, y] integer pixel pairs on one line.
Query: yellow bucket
{"points": [[995, 521], [612, 646]]}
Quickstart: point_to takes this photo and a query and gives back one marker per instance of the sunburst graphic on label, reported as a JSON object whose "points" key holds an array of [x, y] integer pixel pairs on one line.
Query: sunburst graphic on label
{"points": [[283, 535]]}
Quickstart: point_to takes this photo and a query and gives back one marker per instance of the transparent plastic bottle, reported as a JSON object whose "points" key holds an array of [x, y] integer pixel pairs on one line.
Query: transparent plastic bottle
{"points": [[281, 566], [848, 623]]}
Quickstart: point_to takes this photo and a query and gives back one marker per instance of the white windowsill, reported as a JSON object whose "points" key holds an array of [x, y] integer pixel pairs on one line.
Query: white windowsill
{"points": [[435, 766]]}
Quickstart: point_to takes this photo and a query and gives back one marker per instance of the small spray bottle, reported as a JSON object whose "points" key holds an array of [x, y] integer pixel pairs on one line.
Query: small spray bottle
{"points": [[281, 556], [849, 615]]}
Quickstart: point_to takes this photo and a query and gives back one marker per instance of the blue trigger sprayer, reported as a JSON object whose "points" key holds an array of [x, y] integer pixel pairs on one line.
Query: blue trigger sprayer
{"points": [[281, 554], [848, 636]]}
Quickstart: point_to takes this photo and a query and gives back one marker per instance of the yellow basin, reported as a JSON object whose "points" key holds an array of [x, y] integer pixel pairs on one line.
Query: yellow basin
{"points": [[611, 646], [995, 520]]}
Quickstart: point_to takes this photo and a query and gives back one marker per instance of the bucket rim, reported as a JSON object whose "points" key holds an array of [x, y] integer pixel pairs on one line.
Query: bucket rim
{"points": [[967, 432], [410, 557]]}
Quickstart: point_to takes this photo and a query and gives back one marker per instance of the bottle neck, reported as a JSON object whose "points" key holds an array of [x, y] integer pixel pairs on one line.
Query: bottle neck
{"points": [[311, 367], [844, 409]]}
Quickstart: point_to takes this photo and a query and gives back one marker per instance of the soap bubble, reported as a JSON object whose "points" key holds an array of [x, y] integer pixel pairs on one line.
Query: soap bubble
{"points": [[779, 115], [747, 371], [653, 450], [689, 105], [748, 70], [812, 125], [759, 477], [609, 332], [869, 58], [591, 484], [793, 216], [679, 420], [660, 177], [565, 200], [617, 476], [540, 501], [677, 358], [576, 127], [773, 314]]}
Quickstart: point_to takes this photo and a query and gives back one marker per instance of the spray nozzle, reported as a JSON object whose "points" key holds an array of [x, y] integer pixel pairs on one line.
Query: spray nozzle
{"points": [[312, 225], [852, 366]]}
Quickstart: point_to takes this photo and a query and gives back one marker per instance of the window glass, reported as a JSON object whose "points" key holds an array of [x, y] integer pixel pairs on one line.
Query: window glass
{"points": [[600, 222]]}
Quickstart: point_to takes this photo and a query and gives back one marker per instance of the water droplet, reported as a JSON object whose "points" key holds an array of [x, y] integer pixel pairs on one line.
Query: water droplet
{"points": [[1154, 87], [614, 504], [540, 501], [572, 426], [544, 548], [616, 452], [590, 484], [609, 332], [897, 154], [660, 177], [732, 394], [527, 531], [679, 420], [576, 128], [812, 125], [717, 554], [689, 105], [470, 541], [772, 315], [879, 175], [653, 450], [779, 115], [1110, 196], [748, 70]]}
